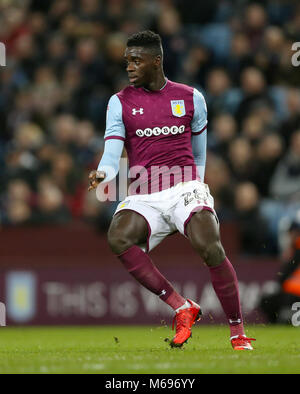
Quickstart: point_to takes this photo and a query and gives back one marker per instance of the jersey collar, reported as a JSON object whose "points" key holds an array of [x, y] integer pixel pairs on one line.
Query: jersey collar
{"points": [[150, 91]]}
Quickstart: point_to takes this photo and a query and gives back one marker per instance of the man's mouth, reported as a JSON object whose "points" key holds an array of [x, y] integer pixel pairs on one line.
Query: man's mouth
{"points": [[132, 78]]}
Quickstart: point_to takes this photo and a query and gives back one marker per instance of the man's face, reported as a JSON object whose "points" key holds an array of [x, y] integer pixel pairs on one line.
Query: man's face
{"points": [[141, 66]]}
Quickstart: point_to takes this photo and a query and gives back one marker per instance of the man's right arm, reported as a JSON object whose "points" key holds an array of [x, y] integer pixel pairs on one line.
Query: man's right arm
{"points": [[114, 143]]}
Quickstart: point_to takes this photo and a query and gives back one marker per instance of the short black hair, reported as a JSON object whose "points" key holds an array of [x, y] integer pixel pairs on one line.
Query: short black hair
{"points": [[146, 39]]}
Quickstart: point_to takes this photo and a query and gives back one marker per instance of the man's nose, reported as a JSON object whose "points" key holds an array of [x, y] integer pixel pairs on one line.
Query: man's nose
{"points": [[130, 67]]}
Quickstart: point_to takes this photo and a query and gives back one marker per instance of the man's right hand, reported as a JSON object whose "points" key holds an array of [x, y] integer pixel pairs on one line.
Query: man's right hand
{"points": [[95, 178]]}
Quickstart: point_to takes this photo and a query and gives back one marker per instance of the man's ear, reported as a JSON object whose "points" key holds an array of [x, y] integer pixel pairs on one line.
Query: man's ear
{"points": [[157, 60]]}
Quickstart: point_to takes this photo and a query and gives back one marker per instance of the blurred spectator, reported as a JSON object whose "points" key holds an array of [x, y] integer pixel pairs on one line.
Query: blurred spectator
{"points": [[241, 159], [277, 305], [223, 131], [170, 28], [46, 94], [269, 151], [253, 128], [253, 227], [221, 186], [268, 56], [255, 20], [196, 64], [90, 10], [18, 213], [292, 122], [63, 131], [115, 47], [255, 92], [28, 136], [63, 172], [17, 203], [220, 95], [240, 55], [57, 52], [293, 25], [51, 208], [285, 184]]}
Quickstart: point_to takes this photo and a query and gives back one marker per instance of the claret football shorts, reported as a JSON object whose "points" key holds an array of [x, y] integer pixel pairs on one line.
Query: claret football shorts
{"points": [[170, 210]]}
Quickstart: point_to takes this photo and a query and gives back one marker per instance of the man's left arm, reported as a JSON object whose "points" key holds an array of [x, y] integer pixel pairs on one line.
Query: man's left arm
{"points": [[199, 133], [199, 144]]}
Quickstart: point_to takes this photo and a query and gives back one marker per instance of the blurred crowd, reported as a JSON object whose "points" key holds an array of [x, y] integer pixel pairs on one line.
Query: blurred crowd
{"points": [[64, 61]]}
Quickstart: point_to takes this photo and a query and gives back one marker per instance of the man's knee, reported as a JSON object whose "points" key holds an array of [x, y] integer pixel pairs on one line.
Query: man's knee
{"points": [[126, 230], [119, 242], [203, 233], [212, 253]]}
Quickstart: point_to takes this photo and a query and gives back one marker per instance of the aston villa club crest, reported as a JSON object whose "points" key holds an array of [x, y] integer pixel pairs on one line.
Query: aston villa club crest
{"points": [[178, 108]]}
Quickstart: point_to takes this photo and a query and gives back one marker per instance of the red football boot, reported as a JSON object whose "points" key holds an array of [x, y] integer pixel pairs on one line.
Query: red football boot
{"points": [[185, 319], [241, 342]]}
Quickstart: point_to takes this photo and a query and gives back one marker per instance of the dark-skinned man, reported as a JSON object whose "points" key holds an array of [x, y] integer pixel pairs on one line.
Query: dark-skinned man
{"points": [[163, 127]]}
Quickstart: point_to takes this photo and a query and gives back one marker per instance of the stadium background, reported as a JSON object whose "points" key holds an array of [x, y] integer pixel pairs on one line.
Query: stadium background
{"points": [[64, 61]]}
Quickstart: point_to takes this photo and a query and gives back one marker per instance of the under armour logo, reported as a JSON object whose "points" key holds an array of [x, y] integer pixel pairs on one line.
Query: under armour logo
{"points": [[163, 293], [138, 111], [238, 321]]}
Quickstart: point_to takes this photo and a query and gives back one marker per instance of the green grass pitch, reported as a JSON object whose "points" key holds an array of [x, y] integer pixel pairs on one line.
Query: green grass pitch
{"points": [[109, 350]]}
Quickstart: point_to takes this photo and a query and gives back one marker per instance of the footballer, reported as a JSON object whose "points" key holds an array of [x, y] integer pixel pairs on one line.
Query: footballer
{"points": [[163, 126]]}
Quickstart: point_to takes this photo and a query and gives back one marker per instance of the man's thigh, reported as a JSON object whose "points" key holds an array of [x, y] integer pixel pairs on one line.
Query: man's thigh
{"points": [[203, 228], [155, 226], [130, 224], [193, 197]]}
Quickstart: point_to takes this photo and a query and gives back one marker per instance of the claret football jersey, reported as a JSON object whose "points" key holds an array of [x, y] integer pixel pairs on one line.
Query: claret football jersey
{"points": [[156, 127]]}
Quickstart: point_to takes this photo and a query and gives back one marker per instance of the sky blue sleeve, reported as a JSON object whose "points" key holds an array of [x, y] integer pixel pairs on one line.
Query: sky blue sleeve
{"points": [[110, 162], [114, 139], [199, 145], [115, 128], [199, 121]]}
